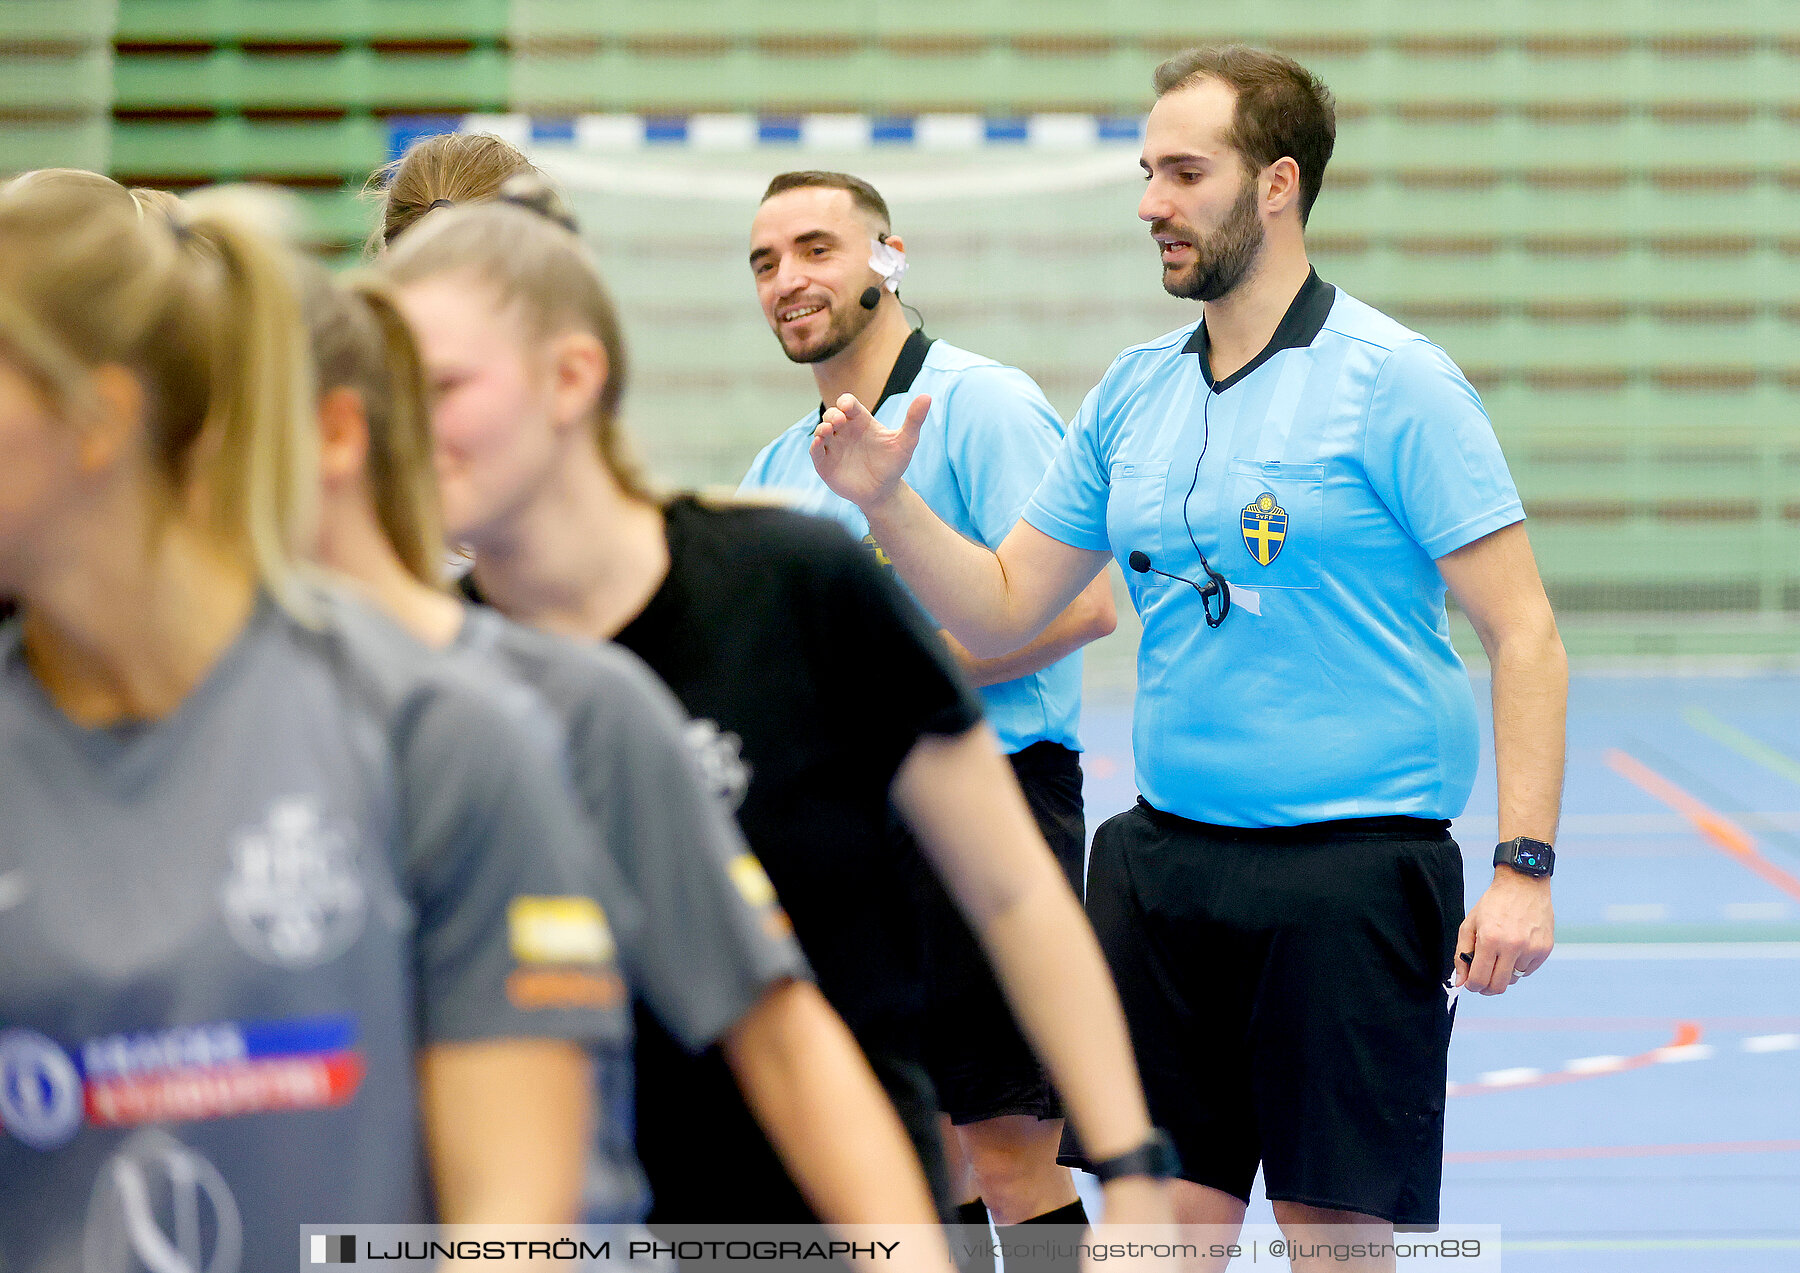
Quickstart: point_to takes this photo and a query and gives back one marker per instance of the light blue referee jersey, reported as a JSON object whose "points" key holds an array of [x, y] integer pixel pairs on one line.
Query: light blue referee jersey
{"points": [[984, 446], [1322, 480]]}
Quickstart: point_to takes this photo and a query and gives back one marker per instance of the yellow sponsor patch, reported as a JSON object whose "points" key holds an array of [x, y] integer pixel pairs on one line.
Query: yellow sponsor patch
{"points": [[558, 930], [752, 881]]}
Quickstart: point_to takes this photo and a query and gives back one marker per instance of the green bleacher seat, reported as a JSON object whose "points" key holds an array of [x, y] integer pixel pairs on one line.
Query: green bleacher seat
{"points": [[233, 148], [162, 22], [54, 84], [68, 25], [230, 80]]}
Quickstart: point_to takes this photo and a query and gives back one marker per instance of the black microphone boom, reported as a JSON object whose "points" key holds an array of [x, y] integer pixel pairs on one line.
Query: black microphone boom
{"points": [[1140, 562], [1215, 584], [870, 298]]}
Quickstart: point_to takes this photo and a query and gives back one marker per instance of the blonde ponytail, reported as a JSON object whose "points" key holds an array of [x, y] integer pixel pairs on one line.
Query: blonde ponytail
{"points": [[203, 310], [450, 168], [361, 342], [260, 466]]}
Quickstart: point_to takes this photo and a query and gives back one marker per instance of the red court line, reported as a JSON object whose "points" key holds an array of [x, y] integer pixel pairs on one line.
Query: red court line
{"points": [[1686, 1034], [1624, 1151], [1713, 825]]}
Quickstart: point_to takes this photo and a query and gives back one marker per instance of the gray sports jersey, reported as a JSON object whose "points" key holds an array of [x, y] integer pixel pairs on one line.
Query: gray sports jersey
{"points": [[711, 937], [225, 935]]}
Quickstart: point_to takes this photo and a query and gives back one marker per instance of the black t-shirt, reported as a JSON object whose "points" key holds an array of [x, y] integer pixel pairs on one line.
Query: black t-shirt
{"points": [[814, 667], [810, 676]]}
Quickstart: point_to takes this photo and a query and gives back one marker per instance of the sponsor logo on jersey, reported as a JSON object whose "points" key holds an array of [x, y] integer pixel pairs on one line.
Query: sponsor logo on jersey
{"points": [[754, 886], [752, 881], [1265, 526], [558, 930], [223, 1069], [159, 1205], [564, 950], [40, 1090], [295, 897], [722, 764]]}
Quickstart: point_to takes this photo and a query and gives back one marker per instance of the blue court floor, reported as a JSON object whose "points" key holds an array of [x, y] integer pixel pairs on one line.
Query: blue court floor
{"points": [[1635, 1105]]}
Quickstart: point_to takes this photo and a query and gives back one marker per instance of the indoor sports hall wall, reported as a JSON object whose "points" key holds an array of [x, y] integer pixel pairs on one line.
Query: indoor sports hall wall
{"points": [[1591, 205]]}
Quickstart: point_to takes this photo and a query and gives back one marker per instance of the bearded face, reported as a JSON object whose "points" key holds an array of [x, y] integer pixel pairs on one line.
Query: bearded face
{"points": [[814, 328], [1206, 266]]}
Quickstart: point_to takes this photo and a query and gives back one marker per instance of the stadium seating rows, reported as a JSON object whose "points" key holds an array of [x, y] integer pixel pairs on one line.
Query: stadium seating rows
{"points": [[1588, 204]]}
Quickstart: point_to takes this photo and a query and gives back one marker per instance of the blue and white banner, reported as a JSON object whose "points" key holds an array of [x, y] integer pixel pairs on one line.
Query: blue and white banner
{"points": [[625, 133]]}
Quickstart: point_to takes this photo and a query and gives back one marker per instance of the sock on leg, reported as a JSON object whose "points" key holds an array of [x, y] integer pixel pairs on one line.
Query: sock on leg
{"points": [[973, 1246], [1019, 1237]]}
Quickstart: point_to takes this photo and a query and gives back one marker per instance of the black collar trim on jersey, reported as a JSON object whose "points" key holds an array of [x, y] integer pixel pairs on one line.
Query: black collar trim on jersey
{"points": [[1299, 327], [906, 369]]}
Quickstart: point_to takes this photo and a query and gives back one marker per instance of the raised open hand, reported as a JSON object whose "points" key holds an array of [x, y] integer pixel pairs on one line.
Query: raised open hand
{"points": [[860, 458]]}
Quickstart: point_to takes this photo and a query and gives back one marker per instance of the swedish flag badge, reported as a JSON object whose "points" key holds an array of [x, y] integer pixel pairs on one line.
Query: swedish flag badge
{"points": [[1265, 528]]}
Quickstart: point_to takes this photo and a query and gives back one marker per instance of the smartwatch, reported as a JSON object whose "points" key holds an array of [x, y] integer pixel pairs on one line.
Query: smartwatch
{"points": [[1154, 1158], [1527, 857]]}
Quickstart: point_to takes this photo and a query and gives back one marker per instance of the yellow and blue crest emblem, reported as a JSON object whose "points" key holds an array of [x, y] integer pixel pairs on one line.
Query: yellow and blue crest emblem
{"points": [[1265, 525]]}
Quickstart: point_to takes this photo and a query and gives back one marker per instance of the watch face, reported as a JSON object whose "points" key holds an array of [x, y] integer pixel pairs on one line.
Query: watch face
{"points": [[1531, 860]]}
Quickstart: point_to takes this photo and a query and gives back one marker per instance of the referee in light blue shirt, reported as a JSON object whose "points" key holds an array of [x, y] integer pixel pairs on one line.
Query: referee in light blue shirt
{"points": [[1290, 483], [827, 269]]}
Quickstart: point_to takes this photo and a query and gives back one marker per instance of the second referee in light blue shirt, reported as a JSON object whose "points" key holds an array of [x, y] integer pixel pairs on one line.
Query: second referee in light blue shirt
{"points": [[827, 269]]}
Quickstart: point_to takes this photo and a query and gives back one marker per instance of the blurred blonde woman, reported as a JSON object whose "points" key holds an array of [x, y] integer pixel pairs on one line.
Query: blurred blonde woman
{"points": [[290, 930]]}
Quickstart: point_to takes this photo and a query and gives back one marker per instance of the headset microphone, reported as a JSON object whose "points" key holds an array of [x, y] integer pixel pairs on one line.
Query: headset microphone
{"points": [[870, 298], [1140, 563], [1215, 585]]}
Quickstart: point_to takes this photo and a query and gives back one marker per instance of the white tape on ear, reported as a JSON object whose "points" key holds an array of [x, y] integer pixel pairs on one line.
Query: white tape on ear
{"points": [[887, 261]]}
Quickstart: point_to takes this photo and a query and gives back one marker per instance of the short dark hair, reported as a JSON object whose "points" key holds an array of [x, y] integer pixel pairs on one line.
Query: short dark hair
{"points": [[1282, 108], [862, 194]]}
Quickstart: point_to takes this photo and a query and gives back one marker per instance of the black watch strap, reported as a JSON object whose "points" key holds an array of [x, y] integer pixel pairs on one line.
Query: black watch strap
{"points": [[1155, 1158], [1526, 856]]}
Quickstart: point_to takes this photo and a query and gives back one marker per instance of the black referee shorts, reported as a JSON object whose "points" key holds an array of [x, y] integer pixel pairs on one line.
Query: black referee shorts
{"points": [[979, 1061], [1285, 993]]}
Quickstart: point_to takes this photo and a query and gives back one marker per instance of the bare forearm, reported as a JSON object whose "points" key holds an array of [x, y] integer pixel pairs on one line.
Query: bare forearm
{"points": [[1088, 618], [1530, 699], [507, 1128], [961, 800], [1056, 980], [815, 1097], [958, 581]]}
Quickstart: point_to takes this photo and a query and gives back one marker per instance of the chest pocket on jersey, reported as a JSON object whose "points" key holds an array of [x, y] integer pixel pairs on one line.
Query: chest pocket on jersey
{"points": [[1274, 532], [1134, 510]]}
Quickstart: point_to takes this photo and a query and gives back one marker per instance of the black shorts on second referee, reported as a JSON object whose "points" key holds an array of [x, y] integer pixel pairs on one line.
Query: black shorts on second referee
{"points": [[980, 1062]]}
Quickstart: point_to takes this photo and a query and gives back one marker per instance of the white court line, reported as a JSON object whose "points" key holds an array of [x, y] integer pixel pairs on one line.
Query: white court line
{"points": [[1635, 912], [1652, 1244], [1687, 1052], [1678, 950], [1589, 1066], [1508, 1078], [1773, 1043]]}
